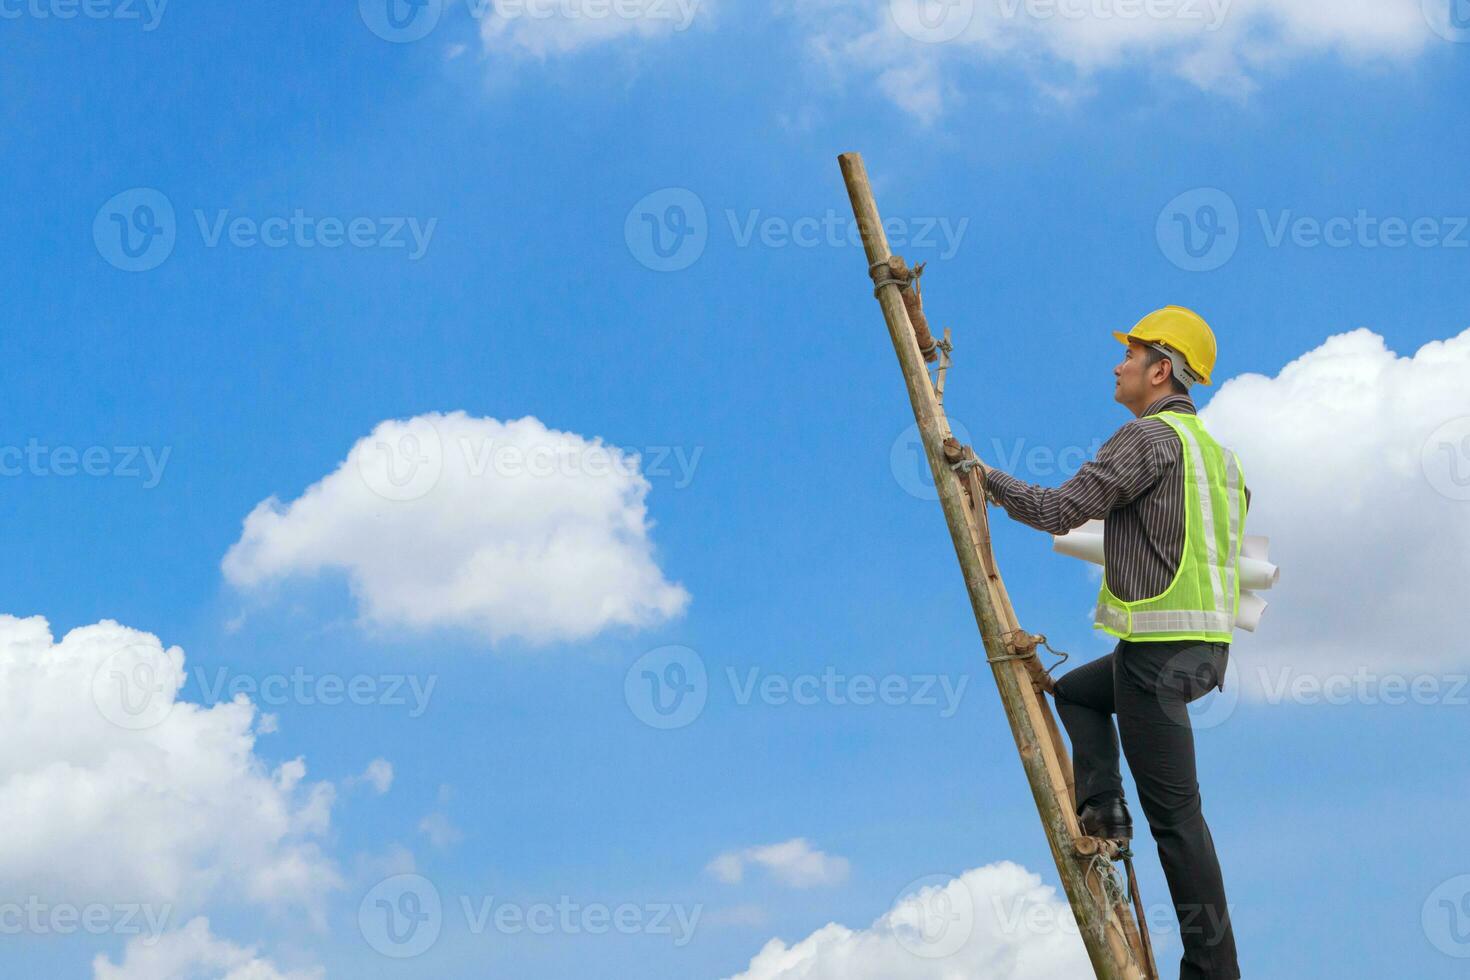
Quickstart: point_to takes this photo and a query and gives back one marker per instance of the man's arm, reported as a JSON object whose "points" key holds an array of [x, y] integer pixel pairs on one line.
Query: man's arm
{"points": [[1124, 468]]}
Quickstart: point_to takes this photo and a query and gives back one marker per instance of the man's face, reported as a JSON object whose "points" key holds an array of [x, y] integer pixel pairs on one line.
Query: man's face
{"points": [[1132, 384]]}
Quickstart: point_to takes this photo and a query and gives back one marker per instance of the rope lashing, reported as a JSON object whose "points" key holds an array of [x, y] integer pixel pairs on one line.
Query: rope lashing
{"points": [[1107, 879], [893, 271], [963, 461], [960, 458], [886, 277], [1024, 648]]}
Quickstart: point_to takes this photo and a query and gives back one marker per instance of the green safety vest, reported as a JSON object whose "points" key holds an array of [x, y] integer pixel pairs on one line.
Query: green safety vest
{"points": [[1202, 601]]}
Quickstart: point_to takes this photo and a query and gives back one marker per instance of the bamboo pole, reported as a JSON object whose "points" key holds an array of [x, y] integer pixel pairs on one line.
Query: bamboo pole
{"points": [[1106, 924]]}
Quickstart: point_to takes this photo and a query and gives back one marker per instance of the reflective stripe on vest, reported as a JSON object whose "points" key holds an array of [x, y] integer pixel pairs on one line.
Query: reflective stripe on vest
{"points": [[1202, 600]]}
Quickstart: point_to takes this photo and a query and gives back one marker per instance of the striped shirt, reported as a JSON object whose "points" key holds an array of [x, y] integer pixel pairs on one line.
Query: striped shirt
{"points": [[1136, 483]]}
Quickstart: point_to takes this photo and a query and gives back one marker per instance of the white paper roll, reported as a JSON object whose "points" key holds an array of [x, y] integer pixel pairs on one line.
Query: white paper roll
{"points": [[1086, 543], [1252, 607]]}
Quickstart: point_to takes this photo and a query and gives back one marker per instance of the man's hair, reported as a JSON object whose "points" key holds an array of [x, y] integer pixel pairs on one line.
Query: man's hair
{"points": [[1152, 356]]}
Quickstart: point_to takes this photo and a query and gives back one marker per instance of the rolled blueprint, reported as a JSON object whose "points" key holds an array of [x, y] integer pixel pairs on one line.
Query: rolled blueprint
{"points": [[1256, 572]]}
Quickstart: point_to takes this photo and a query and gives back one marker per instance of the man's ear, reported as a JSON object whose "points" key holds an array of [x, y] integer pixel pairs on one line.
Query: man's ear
{"points": [[1168, 374]]}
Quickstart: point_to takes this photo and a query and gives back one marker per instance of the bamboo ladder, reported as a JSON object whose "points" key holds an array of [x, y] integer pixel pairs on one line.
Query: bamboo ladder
{"points": [[1117, 943]]}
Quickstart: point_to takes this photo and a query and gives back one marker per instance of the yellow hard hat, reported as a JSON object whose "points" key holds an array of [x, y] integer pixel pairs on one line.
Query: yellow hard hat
{"points": [[1183, 330]]}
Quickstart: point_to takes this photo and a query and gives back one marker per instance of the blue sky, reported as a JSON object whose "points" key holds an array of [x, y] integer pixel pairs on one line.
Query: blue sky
{"points": [[758, 384]]}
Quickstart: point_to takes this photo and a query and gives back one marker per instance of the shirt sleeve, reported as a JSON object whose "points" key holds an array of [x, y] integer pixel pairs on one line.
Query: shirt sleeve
{"points": [[1125, 467]]}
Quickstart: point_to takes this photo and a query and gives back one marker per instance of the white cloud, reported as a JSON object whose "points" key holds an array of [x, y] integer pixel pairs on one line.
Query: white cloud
{"points": [[908, 46], [378, 775], [509, 529], [794, 863], [998, 922], [1358, 461], [545, 28], [440, 830], [113, 790], [193, 953]]}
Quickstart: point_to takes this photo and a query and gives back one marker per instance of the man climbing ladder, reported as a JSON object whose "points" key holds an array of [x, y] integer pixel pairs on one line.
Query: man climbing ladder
{"points": [[1175, 504]]}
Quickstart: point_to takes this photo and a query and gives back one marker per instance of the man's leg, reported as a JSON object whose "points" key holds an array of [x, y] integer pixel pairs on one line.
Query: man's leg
{"points": [[1084, 700], [1155, 683]]}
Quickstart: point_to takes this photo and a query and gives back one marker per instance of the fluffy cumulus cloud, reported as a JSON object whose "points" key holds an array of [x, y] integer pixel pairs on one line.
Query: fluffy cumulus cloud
{"points": [[794, 863], [546, 28], [909, 47], [112, 790], [193, 953], [509, 529], [1359, 462], [998, 922]]}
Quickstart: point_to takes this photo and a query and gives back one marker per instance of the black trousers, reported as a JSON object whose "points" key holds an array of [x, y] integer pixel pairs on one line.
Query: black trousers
{"points": [[1148, 686]]}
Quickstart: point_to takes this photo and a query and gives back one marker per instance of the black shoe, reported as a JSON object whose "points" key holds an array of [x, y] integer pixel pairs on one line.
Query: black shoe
{"points": [[1108, 820]]}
